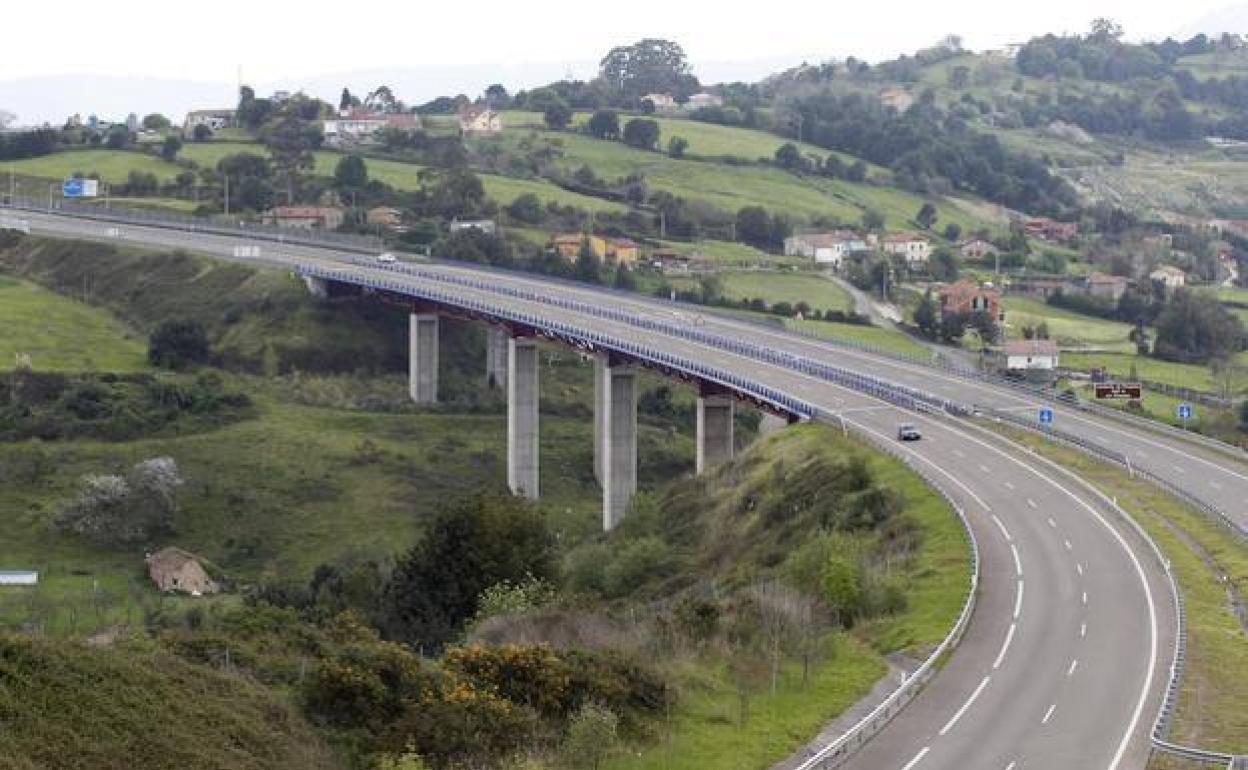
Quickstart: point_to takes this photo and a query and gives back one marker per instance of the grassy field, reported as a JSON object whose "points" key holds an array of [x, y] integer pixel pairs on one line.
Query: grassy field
{"points": [[1202, 554], [1067, 328], [1153, 369], [113, 166], [773, 287], [60, 334], [878, 336]]}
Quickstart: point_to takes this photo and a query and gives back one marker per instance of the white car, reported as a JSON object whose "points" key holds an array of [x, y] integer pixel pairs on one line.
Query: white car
{"points": [[386, 257]]}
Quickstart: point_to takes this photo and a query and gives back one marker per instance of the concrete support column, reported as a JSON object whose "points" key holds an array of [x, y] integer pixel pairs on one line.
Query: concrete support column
{"points": [[522, 417], [317, 287], [619, 443], [715, 431], [600, 378], [423, 358], [496, 353]]}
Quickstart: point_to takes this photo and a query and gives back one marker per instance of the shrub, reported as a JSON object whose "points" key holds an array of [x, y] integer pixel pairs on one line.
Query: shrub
{"points": [[178, 343]]}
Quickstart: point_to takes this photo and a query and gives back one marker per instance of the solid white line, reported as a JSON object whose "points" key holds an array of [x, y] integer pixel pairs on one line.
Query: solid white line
{"points": [[1031, 502], [1085, 597], [1018, 600], [1073, 665], [954, 719], [1048, 714], [1052, 523], [917, 758], [1009, 637], [1018, 564], [1001, 526], [1083, 630]]}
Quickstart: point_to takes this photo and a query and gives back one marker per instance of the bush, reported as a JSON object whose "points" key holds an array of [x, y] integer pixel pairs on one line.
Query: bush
{"points": [[642, 133], [114, 510], [177, 344], [637, 563]]}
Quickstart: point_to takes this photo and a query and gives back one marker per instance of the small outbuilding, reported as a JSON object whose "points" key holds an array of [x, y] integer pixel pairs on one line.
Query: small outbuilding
{"points": [[173, 569]]}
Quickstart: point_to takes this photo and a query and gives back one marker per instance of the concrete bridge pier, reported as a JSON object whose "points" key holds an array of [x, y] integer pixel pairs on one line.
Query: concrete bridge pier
{"points": [[423, 357], [715, 430], [619, 442], [522, 416], [317, 287], [496, 356], [600, 378]]}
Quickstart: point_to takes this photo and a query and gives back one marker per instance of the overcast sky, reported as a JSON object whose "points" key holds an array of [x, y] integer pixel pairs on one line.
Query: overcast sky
{"points": [[290, 43]]}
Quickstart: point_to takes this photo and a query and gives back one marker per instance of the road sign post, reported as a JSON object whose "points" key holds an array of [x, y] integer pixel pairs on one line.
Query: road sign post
{"points": [[1046, 415], [1185, 413]]}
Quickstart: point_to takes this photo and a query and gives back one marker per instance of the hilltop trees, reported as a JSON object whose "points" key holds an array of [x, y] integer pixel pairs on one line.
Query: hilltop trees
{"points": [[646, 67], [1193, 330]]}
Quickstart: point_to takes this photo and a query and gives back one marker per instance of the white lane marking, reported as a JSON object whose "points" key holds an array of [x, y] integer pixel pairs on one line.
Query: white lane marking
{"points": [[1001, 526], [1074, 664], [1083, 630], [1052, 523], [917, 758], [1005, 646], [1079, 568], [987, 508], [954, 719], [1010, 766], [984, 468], [1085, 597], [1018, 600], [1008, 485], [1177, 469], [1031, 502], [1018, 563], [1048, 714], [1147, 683], [1067, 544]]}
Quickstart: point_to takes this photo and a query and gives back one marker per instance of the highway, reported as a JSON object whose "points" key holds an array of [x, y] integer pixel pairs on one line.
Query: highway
{"points": [[1065, 661]]}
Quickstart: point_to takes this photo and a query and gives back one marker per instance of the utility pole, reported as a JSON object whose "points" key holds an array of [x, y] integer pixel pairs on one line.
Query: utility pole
{"points": [[662, 224], [227, 195]]}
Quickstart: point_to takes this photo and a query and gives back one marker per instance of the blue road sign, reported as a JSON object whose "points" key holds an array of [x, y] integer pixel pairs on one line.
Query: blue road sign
{"points": [[1046, 415], [1184, 411], [72, 188]]}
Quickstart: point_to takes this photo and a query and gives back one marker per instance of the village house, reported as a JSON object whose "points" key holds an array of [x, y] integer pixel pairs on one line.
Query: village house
{"points": [[965, 297], [173, 569], [698, 101], [356, 125], [1168, 276], [215, 120], [825, 248], [479, 119], [623, 250], [384, 216], [1034, 359], [661, 102], [1050, 229], [898, 98], [304, 217], [1106, 286], [978, 248], [1039, 287], [913, 247]]}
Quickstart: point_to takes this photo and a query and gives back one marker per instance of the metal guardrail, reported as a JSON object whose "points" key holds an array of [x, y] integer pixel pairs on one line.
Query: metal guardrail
{"points": [[1165, 712]]}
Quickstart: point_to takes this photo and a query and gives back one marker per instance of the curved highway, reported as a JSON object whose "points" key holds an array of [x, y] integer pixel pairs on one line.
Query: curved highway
{"points": [[1066, 658]]}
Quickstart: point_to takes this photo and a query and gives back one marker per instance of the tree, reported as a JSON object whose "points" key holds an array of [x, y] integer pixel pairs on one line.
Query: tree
{"points": [[943, 266], [291, 141], [588, 266], [676, 146], [872, 220], [952, 327], [177, 343], [960, 77], [604, 124], [201, 133], [646, 67], [624, 278], [927, 316], [382, 100], [170, 148], [496, 97], [927, 216], [156, 122], [118, 137], [1190, 329], [857, 172], [114, 510], [467, 547], [351, 173], [347, 100], [1243, 415], [557, 114], [1105, 29], [789, 157], [754, 227], [953, 231], [526, 208], [642, 133]]}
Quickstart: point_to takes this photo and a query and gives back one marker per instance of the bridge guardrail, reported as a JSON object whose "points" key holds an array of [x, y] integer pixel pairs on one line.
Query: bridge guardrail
{"points": [[1165, 712]]}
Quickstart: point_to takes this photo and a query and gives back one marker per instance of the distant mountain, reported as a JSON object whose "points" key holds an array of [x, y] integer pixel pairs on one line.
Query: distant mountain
{"points": [[1232, 18]]}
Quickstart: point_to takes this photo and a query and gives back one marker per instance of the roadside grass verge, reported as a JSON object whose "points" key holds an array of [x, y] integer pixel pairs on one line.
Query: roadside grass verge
{"points": [[879, 336], [60, 334], [773, 287], [1206, 559]]}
